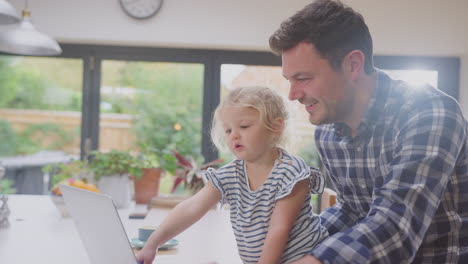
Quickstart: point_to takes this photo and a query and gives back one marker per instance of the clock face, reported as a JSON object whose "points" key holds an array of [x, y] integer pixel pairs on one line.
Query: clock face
{"points": [[141, 9]]}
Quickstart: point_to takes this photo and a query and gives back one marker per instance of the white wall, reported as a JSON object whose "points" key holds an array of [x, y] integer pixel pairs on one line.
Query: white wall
{"points": [[420, 27], [399, 27], [230, 24]]}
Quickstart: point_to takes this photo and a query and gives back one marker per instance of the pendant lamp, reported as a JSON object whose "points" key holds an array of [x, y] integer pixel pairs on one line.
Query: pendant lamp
{"points": [[8, 13], [24, 39]]}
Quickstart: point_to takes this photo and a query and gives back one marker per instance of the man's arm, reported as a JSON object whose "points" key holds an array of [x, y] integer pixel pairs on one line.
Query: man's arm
{"points": [[337, 217], [426, 149]]}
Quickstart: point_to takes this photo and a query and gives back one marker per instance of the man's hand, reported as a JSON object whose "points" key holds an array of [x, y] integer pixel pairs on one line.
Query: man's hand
{"points": [[309, 259]]}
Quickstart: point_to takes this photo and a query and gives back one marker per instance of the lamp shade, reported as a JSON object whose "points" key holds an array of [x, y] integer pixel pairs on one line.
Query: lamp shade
{"points": [[24, 39], [8, 13]]}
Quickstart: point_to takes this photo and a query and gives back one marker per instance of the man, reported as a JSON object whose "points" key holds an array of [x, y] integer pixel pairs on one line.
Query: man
{"points": [[397, 155]]}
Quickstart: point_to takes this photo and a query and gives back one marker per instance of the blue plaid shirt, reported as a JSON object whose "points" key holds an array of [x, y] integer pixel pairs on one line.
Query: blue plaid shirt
{"points": [[402, 181]]}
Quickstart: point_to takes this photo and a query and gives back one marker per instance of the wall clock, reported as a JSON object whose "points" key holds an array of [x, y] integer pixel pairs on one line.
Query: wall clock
{"points": [[141, 9]]}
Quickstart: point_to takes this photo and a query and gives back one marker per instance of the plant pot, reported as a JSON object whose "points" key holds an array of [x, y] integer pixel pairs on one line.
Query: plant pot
{"points": [[147, 186], [118, 188], [60, 204]]}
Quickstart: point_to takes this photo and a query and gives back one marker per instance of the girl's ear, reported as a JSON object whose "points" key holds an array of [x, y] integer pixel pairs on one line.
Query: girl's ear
{"points": [[278, 125]]}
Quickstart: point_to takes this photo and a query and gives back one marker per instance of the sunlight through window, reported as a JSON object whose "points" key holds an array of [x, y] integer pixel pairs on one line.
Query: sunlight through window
{"points": [[416, 77]]}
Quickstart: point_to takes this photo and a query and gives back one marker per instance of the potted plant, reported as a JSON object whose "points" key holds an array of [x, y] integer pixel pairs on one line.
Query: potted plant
{"points": [[5, 189], [112, 171], [74, 173], [147, 186], [191, 172], [6, 185], [190, 176]]}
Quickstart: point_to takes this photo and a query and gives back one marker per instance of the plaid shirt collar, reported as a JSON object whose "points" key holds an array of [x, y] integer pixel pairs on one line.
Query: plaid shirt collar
{"points": [[375, 110], [401, 190]]}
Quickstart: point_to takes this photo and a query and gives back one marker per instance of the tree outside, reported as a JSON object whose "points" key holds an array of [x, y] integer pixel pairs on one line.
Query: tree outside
{"points": [[37, 84], [166, 101]]}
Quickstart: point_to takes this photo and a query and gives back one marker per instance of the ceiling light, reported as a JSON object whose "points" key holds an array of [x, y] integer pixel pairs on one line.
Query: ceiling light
{"points": [[8, 13], [25, 39]]}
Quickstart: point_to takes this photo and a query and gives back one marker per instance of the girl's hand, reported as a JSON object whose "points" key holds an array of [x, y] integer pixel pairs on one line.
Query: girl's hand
{"points": [[146, 255], [180, 218]]}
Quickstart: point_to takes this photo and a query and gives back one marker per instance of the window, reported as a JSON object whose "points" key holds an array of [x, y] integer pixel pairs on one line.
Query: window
{"points": [[96, 97], [416, 77], [151, 104], [40, 116], [442, 72]]}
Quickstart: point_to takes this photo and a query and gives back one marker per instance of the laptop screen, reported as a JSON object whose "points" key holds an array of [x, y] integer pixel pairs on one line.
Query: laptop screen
{"points": [[99, 226]]}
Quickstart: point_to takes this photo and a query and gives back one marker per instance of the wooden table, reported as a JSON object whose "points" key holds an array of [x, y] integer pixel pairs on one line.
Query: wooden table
{"points": [[38, 234]]}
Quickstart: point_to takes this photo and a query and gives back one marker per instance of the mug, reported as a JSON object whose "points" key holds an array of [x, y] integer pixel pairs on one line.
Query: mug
{"points": [[145, 232]]}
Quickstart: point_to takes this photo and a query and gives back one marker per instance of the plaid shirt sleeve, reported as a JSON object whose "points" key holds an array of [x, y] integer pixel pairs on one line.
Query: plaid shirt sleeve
{"points": [[339, 216], [427, 141]]}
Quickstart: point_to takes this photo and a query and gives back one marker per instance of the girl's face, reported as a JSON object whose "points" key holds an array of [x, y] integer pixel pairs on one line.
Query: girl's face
{"points": [[246, 135]]}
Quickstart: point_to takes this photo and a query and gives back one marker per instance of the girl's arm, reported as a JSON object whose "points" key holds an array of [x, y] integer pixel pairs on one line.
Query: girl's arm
{"points": [[282, 219], [180, 218]]}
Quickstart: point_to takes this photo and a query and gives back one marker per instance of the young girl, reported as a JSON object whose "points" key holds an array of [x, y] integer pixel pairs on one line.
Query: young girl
{"points": [[267, 189]]}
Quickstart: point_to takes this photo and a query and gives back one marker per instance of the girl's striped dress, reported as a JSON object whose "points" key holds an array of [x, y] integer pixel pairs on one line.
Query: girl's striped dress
{"points": [[251, 210]]}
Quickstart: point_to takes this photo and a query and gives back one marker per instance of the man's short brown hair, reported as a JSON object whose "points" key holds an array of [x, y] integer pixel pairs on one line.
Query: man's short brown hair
{"points": [[333, 28]]}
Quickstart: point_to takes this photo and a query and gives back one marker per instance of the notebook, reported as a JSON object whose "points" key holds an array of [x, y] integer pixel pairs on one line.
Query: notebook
{"points": [[99, 226]]}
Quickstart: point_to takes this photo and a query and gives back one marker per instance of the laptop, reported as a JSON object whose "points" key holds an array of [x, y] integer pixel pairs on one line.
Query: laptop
{"points": [[99, 226]]}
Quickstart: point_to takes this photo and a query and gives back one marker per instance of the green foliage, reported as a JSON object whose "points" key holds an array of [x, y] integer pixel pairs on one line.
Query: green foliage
{"points": [[148, 160], [115, 162], [120, 104], [310, 154], [28, 141], [19, 88], [156, 131], [66, 73], [6, 186], [36, 131], [170, 118], [40, 83], [167, 103], [62, 171], [30, 87], [9, 143], [168, 97], [7, 80], [314, 201]]}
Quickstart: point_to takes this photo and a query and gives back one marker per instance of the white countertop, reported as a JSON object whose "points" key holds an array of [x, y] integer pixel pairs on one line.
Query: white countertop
{"points": [[39, 234]]}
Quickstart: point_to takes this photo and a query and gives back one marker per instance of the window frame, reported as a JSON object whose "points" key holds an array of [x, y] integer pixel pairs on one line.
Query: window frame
{"points": [[448, 69], [93, 55]]}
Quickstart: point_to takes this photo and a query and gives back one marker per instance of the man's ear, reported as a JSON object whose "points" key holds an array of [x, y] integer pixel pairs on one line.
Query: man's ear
{"points": [[353, 64]]}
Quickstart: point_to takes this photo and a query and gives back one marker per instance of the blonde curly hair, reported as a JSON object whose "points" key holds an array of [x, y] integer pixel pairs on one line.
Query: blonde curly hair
{"points": [[269, 104]]}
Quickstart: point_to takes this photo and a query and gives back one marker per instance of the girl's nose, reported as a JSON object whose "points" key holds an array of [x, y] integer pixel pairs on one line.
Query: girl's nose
{"points": [[235, 134]]}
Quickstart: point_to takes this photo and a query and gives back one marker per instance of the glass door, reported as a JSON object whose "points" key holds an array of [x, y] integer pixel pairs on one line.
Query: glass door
{"points": [[152, 108], [40, 117]]}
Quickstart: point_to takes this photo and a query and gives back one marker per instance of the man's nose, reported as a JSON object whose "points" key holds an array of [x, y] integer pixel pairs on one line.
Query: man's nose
{"points": [[294, 93]]}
